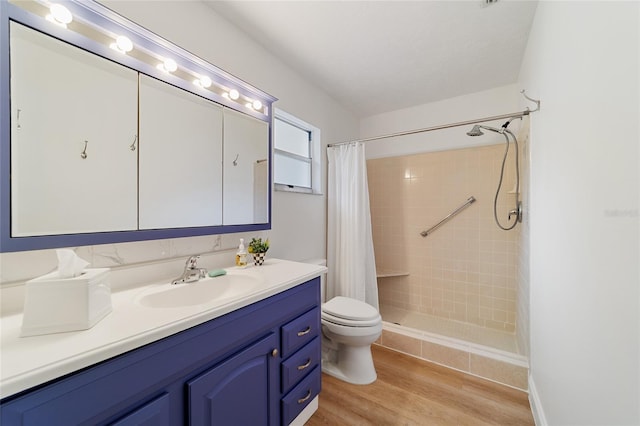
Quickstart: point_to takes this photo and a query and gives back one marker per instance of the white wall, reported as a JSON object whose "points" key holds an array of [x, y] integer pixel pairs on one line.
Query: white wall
{"points": [[298, 220], [488, 103], [582, 62]]}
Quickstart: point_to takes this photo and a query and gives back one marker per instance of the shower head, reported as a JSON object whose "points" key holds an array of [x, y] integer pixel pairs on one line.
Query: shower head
{"points": [[476, 131]]}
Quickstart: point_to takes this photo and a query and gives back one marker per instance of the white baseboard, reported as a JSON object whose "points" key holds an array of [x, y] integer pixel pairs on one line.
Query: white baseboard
{"points": [[305, 414], [536, 405]]}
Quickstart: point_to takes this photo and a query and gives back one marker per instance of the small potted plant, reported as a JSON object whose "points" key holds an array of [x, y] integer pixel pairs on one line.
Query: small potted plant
{"points": [[258, 248]]}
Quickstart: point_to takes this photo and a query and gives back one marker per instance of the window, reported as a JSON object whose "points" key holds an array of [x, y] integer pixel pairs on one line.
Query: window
{"points": [[296, 154]]}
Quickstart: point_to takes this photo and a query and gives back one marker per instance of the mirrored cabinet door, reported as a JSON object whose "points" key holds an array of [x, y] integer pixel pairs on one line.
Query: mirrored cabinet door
{"points": [[73, 121], [180, 158], [246, 169]]}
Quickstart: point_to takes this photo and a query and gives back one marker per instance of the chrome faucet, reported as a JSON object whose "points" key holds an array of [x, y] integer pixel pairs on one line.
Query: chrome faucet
{"points": [[191, 272]]}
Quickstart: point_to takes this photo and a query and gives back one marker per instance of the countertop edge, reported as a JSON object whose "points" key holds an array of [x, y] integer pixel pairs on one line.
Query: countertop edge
{"points": [[45, 372]]}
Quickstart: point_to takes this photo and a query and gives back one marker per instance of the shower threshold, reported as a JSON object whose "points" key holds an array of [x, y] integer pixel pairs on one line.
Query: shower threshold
{"points": [[467, 332], [483, 352]]}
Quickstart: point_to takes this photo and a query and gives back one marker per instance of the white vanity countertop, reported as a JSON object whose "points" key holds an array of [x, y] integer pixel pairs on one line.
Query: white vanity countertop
{"points": [[29, 361]]}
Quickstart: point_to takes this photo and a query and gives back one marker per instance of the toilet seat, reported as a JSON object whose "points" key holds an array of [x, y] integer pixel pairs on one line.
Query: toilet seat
{"points": [[350, 323], [350, 312]]}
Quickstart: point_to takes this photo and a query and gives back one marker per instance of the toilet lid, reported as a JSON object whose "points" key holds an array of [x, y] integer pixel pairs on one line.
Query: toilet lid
{"points": [[327, 318], [350, 309]]}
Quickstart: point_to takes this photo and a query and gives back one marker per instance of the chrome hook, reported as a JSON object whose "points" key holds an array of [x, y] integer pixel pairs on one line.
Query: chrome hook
{"points": [[235, 162], [132, 147], [83, 155], [537, 102], [18, 119]]}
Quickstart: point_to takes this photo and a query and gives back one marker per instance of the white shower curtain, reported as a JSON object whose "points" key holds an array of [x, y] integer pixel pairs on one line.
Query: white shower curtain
{"points": [[350, 257]]}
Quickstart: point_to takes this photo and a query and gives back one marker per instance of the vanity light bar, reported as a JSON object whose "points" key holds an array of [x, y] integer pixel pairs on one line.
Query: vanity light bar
{"points": [[89, 20], [255, 104]]}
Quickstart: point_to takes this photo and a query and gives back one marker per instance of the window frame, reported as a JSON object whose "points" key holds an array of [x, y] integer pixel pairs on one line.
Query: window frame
{"points": [[314, 158]]}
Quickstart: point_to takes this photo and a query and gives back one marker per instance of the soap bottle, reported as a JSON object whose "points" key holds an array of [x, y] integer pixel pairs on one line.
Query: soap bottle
{"points": [[241, 255]]}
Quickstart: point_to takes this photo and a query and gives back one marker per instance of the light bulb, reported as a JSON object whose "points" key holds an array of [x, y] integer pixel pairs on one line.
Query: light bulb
{"points": [[256, 104], [170, 65], [234, 94], [124, 44], [205, 81], [59, 15], [202, 81]]}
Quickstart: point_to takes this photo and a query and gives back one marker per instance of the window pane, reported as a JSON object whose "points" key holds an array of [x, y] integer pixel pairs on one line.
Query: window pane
{"points": [[290, 171], [291, 138]]}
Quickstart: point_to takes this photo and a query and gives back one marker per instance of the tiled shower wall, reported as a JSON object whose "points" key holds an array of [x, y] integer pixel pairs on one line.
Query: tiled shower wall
{"points": [[467, 269]]}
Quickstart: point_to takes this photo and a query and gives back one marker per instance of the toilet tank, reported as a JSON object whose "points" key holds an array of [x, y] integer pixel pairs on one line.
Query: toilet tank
{"points": [[323, 277]]}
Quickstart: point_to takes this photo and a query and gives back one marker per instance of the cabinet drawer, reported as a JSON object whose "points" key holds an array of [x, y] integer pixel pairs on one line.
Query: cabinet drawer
{"points": [[299, 364], [300, 331], [296, 400]]}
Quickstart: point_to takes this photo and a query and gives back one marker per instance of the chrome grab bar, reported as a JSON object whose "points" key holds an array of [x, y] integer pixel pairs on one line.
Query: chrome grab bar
{"points": [[466, 204]]}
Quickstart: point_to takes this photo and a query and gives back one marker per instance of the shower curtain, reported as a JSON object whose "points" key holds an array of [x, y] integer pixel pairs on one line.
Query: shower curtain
{"points": [[350, 257]]}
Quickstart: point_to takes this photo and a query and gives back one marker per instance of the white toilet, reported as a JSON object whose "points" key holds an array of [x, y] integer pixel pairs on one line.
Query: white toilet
{"points": [[349, 327]]}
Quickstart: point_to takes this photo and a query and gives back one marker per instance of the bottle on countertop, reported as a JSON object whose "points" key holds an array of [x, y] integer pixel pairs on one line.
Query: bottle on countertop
{"points": [[241, 255]]}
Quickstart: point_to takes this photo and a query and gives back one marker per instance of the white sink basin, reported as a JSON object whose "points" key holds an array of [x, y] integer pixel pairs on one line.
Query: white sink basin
{"points": [[203, 292]]}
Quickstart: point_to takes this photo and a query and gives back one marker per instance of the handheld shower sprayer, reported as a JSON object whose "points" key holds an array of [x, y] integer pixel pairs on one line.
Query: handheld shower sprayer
{"points": [[517, 211], [476, 131]]}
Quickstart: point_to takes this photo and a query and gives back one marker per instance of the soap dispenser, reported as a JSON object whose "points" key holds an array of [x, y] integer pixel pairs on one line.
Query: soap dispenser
{"points": [[241, 255]]}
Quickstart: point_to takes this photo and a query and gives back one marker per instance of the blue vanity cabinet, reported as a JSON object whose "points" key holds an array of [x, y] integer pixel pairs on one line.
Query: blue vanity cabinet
{"points": [[226, 371], [234, 391]]}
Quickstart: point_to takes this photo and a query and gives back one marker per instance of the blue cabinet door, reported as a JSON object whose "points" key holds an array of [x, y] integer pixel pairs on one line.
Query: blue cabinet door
{"points": [[242, 390]]}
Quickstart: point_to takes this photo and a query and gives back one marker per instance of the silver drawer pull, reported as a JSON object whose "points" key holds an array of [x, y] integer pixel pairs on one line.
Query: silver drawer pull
{"points": [[302, 400], [305, 365], [303, 332]]}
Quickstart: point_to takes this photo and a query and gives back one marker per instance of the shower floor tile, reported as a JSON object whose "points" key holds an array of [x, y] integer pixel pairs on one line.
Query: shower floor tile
{"points": [[445, 327]]}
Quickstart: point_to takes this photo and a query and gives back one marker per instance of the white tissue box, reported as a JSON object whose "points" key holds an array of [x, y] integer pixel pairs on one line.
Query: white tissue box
{"points": [[54, 305]]}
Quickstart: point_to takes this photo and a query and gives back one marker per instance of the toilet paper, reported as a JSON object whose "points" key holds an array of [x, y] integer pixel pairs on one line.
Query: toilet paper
{"points": [[69, 263]]}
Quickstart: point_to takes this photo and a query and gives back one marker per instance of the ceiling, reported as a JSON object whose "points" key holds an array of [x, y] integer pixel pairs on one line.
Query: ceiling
{"points": [[379, 56]]}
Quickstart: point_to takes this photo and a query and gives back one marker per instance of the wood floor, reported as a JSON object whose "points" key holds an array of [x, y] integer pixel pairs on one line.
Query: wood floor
{"points": [[410, 391]]}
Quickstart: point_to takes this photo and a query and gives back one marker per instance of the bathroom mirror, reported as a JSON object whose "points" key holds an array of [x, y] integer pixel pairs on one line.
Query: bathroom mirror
{"points": [[180, 158], [246, 172], [100, 146], [73, 119]]}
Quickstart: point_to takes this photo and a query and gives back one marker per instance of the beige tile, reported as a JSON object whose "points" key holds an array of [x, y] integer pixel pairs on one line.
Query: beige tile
{"points": [[411, 192], [446, 356], [500, 316], [499, 371], [401, 343]]}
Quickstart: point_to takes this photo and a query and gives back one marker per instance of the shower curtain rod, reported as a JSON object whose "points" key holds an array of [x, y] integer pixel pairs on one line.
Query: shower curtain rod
{"points": [[518, 114]]}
